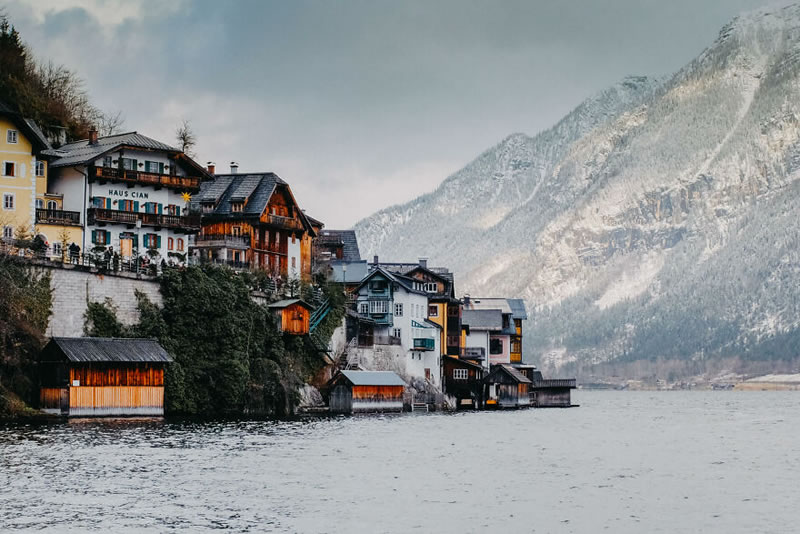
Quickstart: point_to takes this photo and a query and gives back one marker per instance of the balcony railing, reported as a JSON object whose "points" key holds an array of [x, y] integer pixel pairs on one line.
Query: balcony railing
{"points": [[182, 222], [421, 343], [222, 240], [286, 223], [145, 178], [555, 383], [266, 247], [67, 218]]}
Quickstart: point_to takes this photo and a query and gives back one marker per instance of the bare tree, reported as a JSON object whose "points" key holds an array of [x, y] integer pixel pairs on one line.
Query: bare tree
{"points": [[110, 123], [186, 138]]}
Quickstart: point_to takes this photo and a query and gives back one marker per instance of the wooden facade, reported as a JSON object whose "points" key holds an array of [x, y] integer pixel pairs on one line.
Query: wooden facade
{"points": [[293, 316], [102, 377], [463, 380], [553, 393], [366, 391], [506, 388]]}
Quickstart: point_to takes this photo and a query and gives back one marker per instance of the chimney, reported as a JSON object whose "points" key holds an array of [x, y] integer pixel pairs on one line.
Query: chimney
{"points": [[375, 259], [423, 262], [212, 167], [234, 167], [93, 136]]}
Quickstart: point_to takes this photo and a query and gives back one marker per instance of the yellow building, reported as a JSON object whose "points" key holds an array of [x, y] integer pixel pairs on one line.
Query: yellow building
{"points": [[443, 308], [26, 208]]}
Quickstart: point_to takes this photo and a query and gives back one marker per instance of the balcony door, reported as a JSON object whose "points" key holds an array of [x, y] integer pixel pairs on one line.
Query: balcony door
{"points": [[126, 247]]}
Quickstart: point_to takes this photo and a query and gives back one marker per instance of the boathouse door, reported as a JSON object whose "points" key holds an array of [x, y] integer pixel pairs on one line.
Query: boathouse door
{"points": [[64, 401]]}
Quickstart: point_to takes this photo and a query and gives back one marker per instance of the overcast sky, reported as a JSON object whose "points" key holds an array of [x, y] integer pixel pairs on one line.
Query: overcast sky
{"points": [[359, 104]]}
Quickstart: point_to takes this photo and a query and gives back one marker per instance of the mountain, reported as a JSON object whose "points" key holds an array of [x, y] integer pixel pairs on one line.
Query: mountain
{"points": [[653, 230]]}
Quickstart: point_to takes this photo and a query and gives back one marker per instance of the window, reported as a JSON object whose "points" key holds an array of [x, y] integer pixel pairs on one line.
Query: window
{"points": [[379, 306], [52, 205], [57, 249], [460, 374], [170, 243], [516, 346], [452, 311], [396, 332], [398, 309], [107, 162], [101, 237], [495, 346], [8, 232], [172, 209], [40, 168], [8, 201], [363, 308], [431, 287], [153, 166], [433, 311], [237, 206], [39, 203], [129, 164], [453, 341], [378, 286], [9, 168], [236, 231], [294, 262], [180, 244], [11, 137], [293, 238]]}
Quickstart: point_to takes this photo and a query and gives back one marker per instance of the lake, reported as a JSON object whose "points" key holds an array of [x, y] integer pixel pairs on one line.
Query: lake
{"points": [[622, 462]]}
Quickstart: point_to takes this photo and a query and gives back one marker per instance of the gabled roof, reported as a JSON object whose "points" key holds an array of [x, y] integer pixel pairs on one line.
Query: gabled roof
{"points": [[482, 319], [402, 281], [506, 368], [288, 302], [346, 238], [373, 378], [83, 153], [255, 188], [461, 361], [490, 303], [105, 349], [28, 127]]}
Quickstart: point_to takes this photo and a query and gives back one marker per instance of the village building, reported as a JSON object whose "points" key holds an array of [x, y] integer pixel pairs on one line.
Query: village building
{"points": [[394, 309], [553, 392], [463, 382], [130, 193], [252, 221], [335, 245], [102, 377], [26, 205], [481, 327], [293, 316], [366, 391], [499, 340], [506, 387]]}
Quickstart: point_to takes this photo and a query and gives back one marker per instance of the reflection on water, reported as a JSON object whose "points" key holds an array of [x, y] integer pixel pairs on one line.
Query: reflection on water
{"points": [[623, 462]]}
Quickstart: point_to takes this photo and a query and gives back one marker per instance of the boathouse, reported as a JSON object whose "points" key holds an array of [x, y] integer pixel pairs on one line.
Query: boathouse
{"points": [[463, 380], [93, 376], [553, 392], [293, 316], [506, 388], [366, 391]]}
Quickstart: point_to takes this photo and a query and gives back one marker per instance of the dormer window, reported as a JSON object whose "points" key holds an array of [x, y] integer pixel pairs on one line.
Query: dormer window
{"points": [[431, 287], [208, 208], [237, 206]]}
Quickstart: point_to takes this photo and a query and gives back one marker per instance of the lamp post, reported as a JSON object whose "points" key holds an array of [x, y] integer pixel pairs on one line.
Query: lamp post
{"points": [[138, 242]]}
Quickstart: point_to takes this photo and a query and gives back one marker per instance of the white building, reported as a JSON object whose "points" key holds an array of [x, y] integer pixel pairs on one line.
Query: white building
{"points": [[132, 193], [397, 307]]}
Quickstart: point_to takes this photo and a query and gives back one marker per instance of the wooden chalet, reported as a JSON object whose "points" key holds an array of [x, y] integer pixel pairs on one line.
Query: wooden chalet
{"points": [[463, 380], [366, 391], [253, 221], [102, 377], [293, 315], [506, 387]]}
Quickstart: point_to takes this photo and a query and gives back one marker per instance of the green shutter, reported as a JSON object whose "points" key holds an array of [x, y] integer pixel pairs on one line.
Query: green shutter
{"points": [[160, 208], [178, 211], [108, 203], [158, 241], [135, 205], [108, 238], [135, 164], [160, 168], [94, 236]]}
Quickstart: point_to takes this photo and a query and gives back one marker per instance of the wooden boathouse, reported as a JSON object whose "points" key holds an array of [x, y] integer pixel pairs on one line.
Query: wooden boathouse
{"points": [[553, 392], [293, 316], [463, 380], [93, 376], [506, 388], [366, 391]]}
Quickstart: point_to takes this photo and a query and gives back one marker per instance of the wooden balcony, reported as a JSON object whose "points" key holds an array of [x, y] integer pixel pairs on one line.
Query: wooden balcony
{"points": [[284, 223], [187, 223], [473, 353], [241, 242], [114, 174], [60, 217], [269, 249], [422, 343]]}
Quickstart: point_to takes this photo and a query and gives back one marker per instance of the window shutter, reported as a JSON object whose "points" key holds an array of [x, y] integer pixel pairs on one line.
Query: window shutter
{"points": [[158, 241], [160, 168], [178, 211], [108, 238], [121, 205], [146, 240], [94, 236], [135, 165], [135, 205], [160, 209], [108, 203]]}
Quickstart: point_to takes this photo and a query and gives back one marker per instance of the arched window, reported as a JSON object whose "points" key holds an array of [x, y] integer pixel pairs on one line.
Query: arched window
{"points": [[39, 203], [52, 205], [180, 244], [170, 243]]}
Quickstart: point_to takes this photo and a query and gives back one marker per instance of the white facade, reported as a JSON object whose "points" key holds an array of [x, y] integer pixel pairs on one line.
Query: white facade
{"points": [[479, 339], [293, 257]]}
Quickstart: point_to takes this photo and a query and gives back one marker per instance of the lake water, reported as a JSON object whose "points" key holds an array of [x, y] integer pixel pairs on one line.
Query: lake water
{"points": [[622, 462]]}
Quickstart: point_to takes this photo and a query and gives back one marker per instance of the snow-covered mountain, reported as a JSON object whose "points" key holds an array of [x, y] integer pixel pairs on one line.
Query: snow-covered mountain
{"points": [[657, 221]]}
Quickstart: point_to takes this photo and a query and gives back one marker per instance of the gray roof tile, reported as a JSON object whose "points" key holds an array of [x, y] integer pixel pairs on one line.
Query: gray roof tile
{"points": [[373, 378], [482, 319], [81, 152], [102, 349]]}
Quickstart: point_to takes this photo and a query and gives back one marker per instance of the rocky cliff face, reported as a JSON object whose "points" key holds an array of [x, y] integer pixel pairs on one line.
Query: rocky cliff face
{"points": [[658, 220]]}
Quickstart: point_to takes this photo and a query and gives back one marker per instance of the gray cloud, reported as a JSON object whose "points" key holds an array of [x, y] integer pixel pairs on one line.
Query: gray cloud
{"points": [[361, 104]]}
